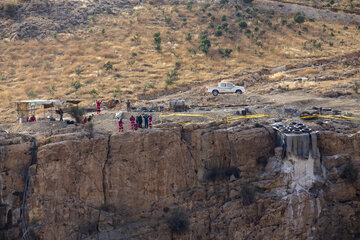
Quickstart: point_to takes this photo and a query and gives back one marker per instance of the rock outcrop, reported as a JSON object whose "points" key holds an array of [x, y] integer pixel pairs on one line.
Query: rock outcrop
{"points": [[231, 182]]}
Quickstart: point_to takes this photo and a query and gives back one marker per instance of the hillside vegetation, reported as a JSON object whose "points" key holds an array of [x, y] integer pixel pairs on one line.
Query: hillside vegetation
{"points": [[155, 49]]}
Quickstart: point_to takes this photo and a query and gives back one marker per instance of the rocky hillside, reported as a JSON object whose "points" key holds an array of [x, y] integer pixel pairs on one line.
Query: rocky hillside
{"points": [[127, 49], [216, 181]]}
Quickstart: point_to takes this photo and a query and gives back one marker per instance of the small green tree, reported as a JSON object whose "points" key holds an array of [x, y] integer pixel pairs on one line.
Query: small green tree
{"points": [[188, 37], [157, 41], [10, 9], [299, 18], [77, 113], [227, 52], [108, 66], [52, 89], [204, 42], [76, 85], [218, 31], [242, 24]]}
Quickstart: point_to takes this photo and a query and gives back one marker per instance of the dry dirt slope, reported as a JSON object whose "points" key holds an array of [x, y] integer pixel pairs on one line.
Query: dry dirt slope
{"points": [[72, 65]]}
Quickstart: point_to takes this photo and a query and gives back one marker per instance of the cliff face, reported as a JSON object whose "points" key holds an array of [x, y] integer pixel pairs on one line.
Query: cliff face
{"points": [[125, 186]]}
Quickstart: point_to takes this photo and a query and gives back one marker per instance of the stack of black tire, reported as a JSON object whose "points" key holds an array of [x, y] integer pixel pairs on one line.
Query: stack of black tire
{"points": [[293, 127]]}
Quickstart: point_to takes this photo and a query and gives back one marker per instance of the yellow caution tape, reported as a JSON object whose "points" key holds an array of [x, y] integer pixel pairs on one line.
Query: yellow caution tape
{"points": [[189, 115], [228, 119], [337, 117]]}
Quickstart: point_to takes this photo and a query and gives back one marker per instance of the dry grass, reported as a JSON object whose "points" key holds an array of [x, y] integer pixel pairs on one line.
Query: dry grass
{"points": [[295, 85], [38, 64], [277, 76]]}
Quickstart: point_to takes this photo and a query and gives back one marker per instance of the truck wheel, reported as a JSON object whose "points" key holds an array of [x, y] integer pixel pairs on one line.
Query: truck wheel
{"points": [[215, 92], [238, 92]]}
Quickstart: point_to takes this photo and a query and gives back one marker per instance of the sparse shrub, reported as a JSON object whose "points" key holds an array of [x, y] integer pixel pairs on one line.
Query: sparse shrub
{"points": [[171, 77], [204, 43], [168, 20], [52, 89], [356, 86], [108, 66], [350, 173], [10, 9], [133, 54], [166, 209], [299, 18], [93, 92], [247, 194], [247, 1], [116, 91], [206, 6], [331, 44], [178, 222], [108, 10], [227, 52], [242, 24], [177, 65], [76, 85], [331, 2], [223, 18], [224, 25], [157, 41], [238, 48], [258, 43], [218, 31], [211, 25], [188, 37], [221, 173], [345, 28], [283, 22], [31, 94], [79, 70], [77, 113], [192, 51], [262, 161], [189, 6], [103, 31]]}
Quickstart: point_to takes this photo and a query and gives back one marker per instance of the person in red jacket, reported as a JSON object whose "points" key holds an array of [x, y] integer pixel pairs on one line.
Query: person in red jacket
{"points": [[98, 103], [121, 126], [132, 121], [84, 121], [150, 121]]}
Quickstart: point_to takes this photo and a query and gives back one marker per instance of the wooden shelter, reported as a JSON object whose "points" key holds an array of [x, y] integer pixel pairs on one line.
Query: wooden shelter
{"points": [[28, 108]]}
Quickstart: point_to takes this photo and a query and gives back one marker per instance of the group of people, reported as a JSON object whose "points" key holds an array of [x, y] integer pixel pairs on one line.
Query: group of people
{"points": [[137, 122], [87, 119]]}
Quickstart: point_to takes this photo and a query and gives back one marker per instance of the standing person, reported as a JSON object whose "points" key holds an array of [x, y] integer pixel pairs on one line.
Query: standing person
{"points": [[61, 113], [146, 120], [98, 103], [33, 118], [89, 118], [132, 121], [84, 121], [121, 127], [150, 120], [128, 106], [140, 121]]}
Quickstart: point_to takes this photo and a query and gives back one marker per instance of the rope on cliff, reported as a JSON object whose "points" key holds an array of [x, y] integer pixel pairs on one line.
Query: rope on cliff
{"points": [[26, 188]]}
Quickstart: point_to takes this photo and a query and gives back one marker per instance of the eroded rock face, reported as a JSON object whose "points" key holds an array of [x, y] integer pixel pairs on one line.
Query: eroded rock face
{"points": [[125, 186]]}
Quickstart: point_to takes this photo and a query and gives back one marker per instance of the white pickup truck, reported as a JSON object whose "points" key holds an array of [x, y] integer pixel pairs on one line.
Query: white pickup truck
{"points": [[225, 87]]}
